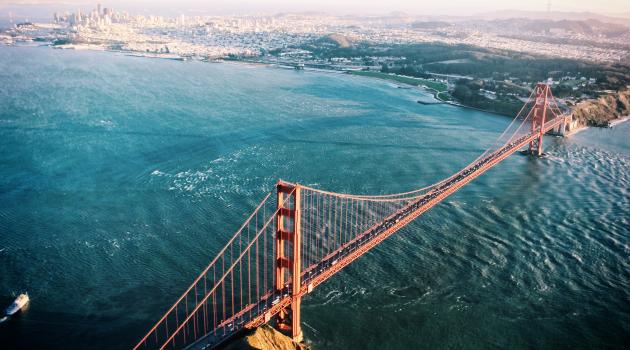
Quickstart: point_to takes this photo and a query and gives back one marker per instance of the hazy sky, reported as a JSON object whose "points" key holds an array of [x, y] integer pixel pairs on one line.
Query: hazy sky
{"points": [[418, 7]]}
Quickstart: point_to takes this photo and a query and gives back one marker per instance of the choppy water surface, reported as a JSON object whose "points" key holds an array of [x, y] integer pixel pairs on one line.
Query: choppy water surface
{"points": [[121, 177]]}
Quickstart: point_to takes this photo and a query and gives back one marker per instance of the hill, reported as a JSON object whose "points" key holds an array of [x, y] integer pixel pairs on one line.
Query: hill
{"points": [[340, 40], [601, 111]]}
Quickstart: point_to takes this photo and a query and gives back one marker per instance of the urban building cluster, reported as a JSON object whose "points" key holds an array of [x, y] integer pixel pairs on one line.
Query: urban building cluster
{"points": [[98, 17], [215, 37]]}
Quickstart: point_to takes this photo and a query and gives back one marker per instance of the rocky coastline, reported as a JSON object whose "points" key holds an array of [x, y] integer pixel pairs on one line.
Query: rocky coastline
{"points": [[264, 337], [603, 111]]}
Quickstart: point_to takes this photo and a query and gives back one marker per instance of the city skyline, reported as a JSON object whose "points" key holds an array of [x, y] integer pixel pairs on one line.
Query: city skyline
{"points": [[349, 7]]}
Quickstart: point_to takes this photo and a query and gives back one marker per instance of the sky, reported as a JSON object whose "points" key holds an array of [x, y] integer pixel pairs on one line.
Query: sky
{"points": [[342, 7]]}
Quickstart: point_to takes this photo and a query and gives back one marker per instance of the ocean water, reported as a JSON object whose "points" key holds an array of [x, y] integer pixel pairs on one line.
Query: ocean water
{"points": [[121, 177]]}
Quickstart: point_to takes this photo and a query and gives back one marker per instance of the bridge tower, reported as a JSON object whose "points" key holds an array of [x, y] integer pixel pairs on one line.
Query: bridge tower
{"points": [[539, 116], [288, 253]]}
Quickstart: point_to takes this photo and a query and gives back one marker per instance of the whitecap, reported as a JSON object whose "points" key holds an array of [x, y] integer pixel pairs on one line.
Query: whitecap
{"points": [[577, 257]]}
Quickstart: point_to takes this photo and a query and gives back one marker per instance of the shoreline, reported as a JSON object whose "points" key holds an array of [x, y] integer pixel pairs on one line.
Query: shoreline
{"points": [[433, 92], [392, 77], [577, 131], [456, 104], [618, 121], [613, 123], [174, 57]]}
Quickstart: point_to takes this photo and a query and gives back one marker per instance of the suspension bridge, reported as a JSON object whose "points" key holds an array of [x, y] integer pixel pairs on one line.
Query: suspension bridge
{"points": [[298, 237]]}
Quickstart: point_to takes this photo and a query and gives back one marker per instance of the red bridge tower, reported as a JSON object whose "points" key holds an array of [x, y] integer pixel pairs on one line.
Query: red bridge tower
{"points": [[288, 256], [539, 116]]}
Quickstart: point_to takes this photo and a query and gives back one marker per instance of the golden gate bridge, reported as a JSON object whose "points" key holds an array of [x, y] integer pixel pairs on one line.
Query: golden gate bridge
{"points": [[298, 238]]}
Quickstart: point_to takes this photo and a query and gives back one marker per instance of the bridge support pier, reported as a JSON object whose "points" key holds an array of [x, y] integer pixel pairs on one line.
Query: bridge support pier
{"points": [[566, 123], [288, 259], [563, 128]]}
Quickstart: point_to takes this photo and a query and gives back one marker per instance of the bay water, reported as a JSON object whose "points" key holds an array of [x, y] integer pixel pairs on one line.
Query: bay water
{"points": [[122, 177]]}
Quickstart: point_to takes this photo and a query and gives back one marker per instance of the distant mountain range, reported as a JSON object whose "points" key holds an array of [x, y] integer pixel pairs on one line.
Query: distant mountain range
{"points": [[44, 11], [586, 27], [553, 15]]}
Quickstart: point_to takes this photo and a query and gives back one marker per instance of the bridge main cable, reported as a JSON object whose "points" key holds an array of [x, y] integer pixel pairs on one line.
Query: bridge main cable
{"points": [[336, 229], [417, 193]]}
